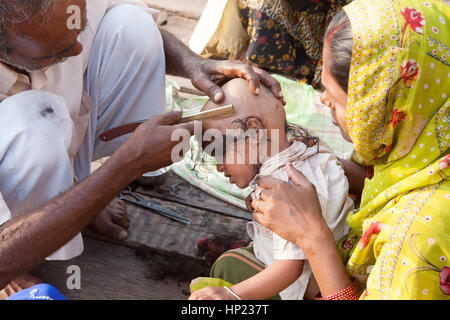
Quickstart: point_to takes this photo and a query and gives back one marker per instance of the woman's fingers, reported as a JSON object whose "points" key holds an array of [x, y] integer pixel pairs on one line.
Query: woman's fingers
{"points": [[255, 204], [248, 203], [260, 206], [258, 217], [261, 194], [266, 186], [268, 182], [296, 176]]}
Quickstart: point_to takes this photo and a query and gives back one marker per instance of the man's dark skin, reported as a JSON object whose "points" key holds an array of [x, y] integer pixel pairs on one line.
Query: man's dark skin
{"points": [[28, 238]]}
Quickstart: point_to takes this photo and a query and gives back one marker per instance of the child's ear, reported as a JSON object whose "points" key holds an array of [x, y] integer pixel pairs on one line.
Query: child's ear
{"points": [[253, 123]]}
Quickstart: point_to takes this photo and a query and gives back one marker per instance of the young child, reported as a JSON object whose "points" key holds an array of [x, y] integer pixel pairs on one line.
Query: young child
{"points": [[275, 144]]}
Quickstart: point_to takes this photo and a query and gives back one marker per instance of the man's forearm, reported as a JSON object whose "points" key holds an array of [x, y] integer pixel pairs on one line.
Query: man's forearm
{"points": [[180, 60], [27, 239]]}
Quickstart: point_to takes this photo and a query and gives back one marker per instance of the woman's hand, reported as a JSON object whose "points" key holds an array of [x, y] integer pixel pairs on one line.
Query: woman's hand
{"points": [[291, 211], [356, 174], [212, 293]]}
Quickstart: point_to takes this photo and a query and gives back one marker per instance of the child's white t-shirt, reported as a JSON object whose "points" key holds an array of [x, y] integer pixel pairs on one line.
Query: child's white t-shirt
{"points": [[326, 173]]}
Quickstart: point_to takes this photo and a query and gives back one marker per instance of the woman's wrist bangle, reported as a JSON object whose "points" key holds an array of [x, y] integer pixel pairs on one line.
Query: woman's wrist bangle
{"points": [[352, 292], [369, 172], [232, 293]]}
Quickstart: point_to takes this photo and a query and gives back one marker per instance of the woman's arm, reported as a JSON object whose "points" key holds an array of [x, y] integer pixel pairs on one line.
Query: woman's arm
{"points": [[293, 212], [356, 174]]}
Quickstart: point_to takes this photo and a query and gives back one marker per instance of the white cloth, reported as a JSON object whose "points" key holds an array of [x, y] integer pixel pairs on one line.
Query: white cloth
{"points": [[207, 25], [36, 125], [325, 172], [119, 77], [219, 31]]}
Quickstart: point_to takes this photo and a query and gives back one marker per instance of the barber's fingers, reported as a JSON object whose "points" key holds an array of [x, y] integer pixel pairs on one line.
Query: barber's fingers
{"points": [[212, 90], [172, 119], [169, 118], [213, 72], [189, 126], [271, 83], [232, 69]]}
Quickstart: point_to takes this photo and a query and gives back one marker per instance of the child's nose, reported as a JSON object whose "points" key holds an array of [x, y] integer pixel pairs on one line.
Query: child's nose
{"points": [[220, 167]]}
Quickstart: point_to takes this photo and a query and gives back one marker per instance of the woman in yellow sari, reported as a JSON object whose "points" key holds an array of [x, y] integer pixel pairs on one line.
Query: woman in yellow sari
{"points": [[393, 103]]}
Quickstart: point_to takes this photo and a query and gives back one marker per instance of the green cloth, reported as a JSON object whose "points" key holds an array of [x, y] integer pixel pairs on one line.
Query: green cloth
{"points": [[231, 268]]}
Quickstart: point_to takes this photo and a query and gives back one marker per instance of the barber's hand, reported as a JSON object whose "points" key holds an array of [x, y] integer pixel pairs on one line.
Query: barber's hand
{"points": [[151, 144], [291, 211], [212, 293], [210, 74]]}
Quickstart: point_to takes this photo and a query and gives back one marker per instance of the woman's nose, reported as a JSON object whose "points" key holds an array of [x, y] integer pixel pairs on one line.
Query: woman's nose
{"points": [[325, 99]]}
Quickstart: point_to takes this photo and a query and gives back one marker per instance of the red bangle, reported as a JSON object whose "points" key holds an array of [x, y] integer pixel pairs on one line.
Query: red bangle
{"points": [[369, 172], [352, 292]]}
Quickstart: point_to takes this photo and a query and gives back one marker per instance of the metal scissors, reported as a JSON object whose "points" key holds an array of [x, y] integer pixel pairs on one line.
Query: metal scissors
{"points": [[138, 200]]}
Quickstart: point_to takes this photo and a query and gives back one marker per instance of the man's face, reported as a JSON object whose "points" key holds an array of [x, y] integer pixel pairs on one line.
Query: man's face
{"points": [[43, 41]]}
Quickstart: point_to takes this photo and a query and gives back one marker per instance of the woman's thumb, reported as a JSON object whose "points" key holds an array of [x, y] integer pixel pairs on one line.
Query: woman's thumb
{"points": [[296, 176]]}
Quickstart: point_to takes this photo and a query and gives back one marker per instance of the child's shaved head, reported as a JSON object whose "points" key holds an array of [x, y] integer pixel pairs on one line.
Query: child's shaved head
{"points": [[264, 107], [261, 124]]}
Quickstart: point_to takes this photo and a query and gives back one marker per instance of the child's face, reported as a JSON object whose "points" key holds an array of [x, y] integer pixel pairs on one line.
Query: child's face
{"points": [[237, 154], [254, 119], [238, 165]]}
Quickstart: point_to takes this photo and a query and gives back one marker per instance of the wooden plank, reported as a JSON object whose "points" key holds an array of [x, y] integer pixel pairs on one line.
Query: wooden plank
{"points": [[172, 188], [110, 271], [158, 232], [160, 256]]}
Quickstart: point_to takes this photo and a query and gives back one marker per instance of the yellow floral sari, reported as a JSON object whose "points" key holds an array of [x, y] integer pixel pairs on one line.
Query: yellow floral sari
{"points": [[398, 113]]}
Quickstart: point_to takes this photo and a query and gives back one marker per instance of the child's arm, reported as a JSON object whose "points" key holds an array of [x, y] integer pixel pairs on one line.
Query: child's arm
{"points": [[269, 282]]}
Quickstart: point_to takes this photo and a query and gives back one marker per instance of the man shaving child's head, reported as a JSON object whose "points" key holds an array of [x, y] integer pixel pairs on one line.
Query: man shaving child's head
{"points": [[256, 131]]}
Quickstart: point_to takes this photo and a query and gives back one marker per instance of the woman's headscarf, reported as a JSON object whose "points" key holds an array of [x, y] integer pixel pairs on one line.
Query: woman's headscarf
{"points": [[398, 112]]}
